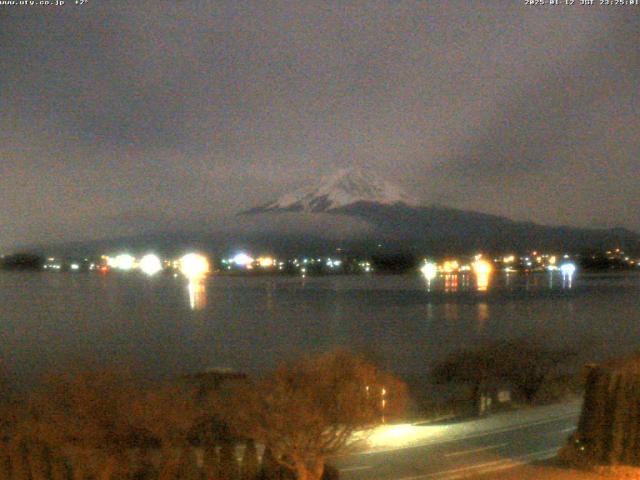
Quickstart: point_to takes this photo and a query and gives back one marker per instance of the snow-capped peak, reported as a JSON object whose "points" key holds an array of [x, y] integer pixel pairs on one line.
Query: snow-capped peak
{"points": [[345, 187]]}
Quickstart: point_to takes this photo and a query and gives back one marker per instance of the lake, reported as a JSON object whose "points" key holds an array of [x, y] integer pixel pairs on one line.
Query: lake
{"points": [[163, 325]]}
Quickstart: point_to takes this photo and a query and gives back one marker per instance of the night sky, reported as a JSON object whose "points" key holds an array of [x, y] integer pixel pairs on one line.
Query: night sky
{"points": [[118, 117]]}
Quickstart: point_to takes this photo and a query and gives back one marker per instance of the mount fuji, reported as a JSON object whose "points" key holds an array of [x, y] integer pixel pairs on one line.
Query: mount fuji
{"points": [[342, 189]]}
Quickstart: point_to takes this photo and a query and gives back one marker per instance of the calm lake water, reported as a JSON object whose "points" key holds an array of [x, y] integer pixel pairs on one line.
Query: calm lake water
{"points": [[164, 326]]}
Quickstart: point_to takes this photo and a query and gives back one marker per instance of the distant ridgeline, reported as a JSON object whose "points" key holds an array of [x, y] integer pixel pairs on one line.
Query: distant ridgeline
{"points": [[22, 261], [358, 213], [400, 223]]}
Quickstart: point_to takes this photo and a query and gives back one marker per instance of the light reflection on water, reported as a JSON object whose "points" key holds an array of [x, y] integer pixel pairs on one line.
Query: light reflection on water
{"points": [[451, 282], [197, 289], [251, 323], [483, 315], [484, 281], [567, 280]]}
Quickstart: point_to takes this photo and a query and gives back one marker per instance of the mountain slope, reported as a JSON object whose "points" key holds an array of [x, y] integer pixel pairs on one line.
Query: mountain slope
{"points": [[431, 230], [397, 220], [441, 229]]}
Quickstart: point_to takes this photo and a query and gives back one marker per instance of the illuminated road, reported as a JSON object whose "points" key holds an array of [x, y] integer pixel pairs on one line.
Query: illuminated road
{"points": [[464, 449]]}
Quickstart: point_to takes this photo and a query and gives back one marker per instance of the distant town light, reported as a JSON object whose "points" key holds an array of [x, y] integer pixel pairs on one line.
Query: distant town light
{"points": [[124, 261], [75, 266], [450, 266], [266, 262], [568, 269], [429, 270], [483, 270], [150, 264], [194, 265], [242, 259], [482, 267]]}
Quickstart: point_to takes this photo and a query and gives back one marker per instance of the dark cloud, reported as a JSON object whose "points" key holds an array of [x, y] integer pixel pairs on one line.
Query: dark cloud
{"points": [[171, 112]]}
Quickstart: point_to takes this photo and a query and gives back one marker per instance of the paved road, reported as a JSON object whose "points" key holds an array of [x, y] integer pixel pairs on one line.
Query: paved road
{"points": [[463, 449]]}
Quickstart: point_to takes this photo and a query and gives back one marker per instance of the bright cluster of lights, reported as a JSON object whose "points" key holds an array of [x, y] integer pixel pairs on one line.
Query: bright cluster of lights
{"points": [[568, 269], [246, 261], [482, 270], [266, 262], [450, 269], [366, 266], [482, 267], [331, 263], [534, 261], [150, 264], [124, 261], [242, 259], [429, 270], [53, 266], [194, 266], [450, 266]]}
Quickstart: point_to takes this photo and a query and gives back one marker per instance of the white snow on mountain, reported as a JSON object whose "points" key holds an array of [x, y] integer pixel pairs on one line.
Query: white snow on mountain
{"points": [[346, 187]]}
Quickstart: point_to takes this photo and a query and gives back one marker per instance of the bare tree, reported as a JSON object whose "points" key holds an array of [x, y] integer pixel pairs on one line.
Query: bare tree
{"points": [[87, 418], [308, 411], [168, 412], [250, 462], [102, 424], [609, 427], [524, 364], [7, 425]]}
